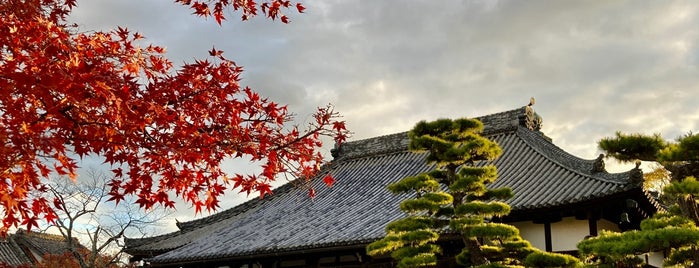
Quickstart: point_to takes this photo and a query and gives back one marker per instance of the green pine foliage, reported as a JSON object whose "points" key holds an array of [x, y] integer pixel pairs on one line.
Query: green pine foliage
{"points": [[467, 208], [674, 232], [685, 149], [631, 147], [549, 259], [687, 187]]}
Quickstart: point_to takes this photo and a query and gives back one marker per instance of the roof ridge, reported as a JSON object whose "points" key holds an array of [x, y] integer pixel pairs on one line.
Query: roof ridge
{"points": [[571, 162], [501, 122], [46, 236], [138, 241]]}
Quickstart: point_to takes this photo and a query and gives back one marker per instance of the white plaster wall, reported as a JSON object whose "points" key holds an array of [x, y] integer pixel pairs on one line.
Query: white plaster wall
{"points": [[566, 233], [655, 258], [534, 233]]}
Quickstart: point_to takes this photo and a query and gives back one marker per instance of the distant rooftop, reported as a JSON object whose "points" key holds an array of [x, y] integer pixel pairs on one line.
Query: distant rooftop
{"points": [[19, 248]]}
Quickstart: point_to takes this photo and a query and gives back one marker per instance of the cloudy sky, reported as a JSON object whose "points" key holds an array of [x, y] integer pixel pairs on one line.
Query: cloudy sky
{"points": [[594, 67]]}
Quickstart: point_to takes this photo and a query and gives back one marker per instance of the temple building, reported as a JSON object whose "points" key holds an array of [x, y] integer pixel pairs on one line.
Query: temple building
{"points": [[559, 199]]}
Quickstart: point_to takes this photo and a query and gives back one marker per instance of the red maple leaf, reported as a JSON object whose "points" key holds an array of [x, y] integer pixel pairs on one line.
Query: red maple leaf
{"points": [[50, 217], [329, 180], [285, 19]]}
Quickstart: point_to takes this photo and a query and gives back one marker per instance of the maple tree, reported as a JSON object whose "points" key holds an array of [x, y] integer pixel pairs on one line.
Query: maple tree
{"points": [[68, 260], [164, 131]]}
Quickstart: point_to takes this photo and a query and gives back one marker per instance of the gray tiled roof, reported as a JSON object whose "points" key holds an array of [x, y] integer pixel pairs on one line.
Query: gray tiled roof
{"points": [[358, 207], [11, 254], [43, 243], [15, 250]]}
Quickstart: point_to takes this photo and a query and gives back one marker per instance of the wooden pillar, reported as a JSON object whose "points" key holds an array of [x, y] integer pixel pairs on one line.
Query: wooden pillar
{"points": [[547, 219], [547, 237], [366, 260], [593, 226], [312, 261], [268, 264]]}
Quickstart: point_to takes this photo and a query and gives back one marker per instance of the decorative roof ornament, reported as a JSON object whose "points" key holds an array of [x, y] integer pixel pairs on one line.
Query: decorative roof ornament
{"points": [[636, 175], [598, 165], [530, 119]]}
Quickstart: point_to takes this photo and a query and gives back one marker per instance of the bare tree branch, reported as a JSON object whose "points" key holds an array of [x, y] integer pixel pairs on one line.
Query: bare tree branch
{"points": [[84, 214]]}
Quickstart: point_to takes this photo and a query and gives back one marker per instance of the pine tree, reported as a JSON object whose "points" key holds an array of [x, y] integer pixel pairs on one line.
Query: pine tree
{"points": [[411, 240], [676, 231], [466, 208]]}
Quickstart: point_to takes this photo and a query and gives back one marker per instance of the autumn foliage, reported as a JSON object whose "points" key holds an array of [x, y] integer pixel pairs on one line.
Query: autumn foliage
{"points": [[68, 260], [216, 8], [66, 95]]}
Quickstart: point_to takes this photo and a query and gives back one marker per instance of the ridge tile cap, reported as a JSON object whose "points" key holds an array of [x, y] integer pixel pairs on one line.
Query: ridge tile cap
{"points": [[501, 122]]}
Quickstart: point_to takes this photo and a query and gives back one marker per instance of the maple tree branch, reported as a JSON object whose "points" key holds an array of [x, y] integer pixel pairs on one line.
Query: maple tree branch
{"points": [[184, 97], [101, 94]]}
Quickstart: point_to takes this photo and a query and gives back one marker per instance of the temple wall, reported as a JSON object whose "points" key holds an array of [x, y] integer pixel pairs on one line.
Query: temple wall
{"points": [[534, 233], [566, 233]]}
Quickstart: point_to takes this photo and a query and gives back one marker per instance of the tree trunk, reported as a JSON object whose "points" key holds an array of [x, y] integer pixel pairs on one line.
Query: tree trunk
{"points": [[474, 249], [687, 204], [689, 208]]}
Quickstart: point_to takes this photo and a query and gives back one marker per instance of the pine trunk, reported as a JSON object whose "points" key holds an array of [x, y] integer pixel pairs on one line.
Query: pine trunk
{"points": [[689, 208], [474, 249]]}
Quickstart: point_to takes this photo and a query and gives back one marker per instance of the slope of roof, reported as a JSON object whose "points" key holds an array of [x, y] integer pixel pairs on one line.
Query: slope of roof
{"points": [[41, 243], [358, 207], [17, 248], [11, 254]]}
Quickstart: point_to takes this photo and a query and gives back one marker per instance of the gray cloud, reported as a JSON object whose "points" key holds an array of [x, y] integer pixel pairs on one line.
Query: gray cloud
{"points": [[594, 66]]}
